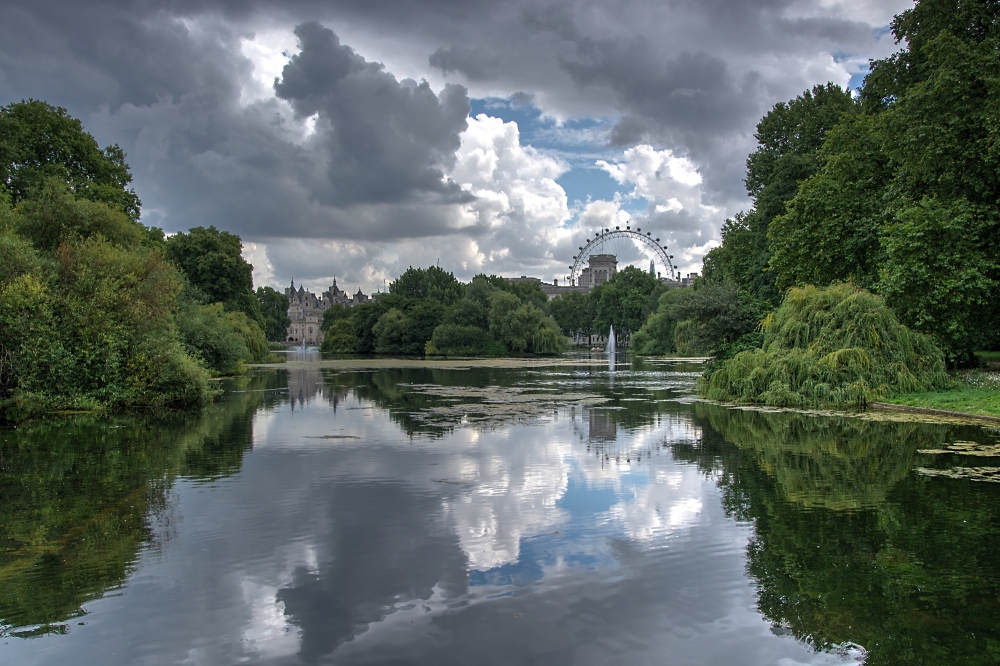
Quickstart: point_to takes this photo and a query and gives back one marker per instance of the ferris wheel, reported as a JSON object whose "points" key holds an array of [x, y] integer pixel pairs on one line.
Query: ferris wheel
{"points": [[630, 246]]}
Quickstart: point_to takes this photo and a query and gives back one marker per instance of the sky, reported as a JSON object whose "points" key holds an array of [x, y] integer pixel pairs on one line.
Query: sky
{"points": [[352, 139]]}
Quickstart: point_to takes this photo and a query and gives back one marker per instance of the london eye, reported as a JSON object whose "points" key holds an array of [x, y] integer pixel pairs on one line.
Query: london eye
{"points": [[631, 247]]}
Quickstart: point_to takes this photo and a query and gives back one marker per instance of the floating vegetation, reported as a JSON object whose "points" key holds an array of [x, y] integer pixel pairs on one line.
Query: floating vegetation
{"points": [[987, 474], [495, 406], [967, 449]]}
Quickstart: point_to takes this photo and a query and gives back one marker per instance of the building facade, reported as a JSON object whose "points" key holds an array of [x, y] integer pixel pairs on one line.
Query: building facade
{"points": [[305, 310]]}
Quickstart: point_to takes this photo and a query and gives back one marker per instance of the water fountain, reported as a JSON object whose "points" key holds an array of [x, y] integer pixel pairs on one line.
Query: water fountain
{"points": [[610, 350]]}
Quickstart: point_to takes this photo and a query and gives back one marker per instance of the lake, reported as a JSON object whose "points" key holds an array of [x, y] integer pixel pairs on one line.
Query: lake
{"points": [[509, 512]]}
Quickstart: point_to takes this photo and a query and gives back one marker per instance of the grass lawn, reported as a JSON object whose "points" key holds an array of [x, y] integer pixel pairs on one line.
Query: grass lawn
{"points": [[975, 392]]}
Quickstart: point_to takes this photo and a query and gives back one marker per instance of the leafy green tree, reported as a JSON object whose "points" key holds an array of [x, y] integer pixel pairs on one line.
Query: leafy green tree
{"points": [[364, 317], [656, 337], [213, 262], [274, 311], [390, 333], [422, 319], [923, 148], [54, 216], [90, 325], [459, 340], [788, 138], [467, 312], [528, 292], [39, 142], [831, 230], [339, 338], [433, 283], [507, 324], [573, 312], [333, 314], [211, 337], [938, 274], [625, 301], [710, 317]]}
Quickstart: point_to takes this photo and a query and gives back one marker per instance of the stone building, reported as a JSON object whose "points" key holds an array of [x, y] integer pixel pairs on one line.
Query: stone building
{"points": [[305, 310]]}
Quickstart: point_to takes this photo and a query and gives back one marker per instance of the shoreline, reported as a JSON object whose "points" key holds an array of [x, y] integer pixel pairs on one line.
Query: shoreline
{"points": [[891, 407]]}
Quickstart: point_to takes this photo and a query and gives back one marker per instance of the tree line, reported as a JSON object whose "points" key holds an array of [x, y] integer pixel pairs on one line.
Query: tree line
{"points": [[428, 311], [96, 309]]}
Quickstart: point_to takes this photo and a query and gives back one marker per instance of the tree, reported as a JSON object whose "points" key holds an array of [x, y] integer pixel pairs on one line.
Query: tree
{"points": [[274, 311], [213, 262], [788, 139], [39, 142], [433, 283], [625, 301], [710, 317], [389, 332], [339, 338], [920, 158], [573, 312]]}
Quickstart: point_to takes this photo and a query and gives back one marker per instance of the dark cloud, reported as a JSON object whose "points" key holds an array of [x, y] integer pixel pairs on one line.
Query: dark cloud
{"points": [[694, 92], [384, 140], [475, 65]]}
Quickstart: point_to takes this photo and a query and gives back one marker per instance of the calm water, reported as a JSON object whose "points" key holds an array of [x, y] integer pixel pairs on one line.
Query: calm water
{"points": [[563, 515]]}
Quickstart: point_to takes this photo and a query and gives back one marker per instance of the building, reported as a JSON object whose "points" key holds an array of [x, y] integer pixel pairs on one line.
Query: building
{"points": [[305, 310], [601, 268]]}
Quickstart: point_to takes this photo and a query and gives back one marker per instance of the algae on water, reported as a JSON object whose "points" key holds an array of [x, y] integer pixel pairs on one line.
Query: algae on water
{"points": [[838, 346]]}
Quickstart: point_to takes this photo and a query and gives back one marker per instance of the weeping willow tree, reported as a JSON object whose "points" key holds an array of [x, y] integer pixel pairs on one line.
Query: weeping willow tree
{"points": [[836, 346]]}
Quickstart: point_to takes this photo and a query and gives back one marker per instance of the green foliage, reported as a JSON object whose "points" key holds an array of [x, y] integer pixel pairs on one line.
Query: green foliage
{"points": [[212, 261], [831, 229], [788, 139], [333, 314], [211, 337], [905, 199], [94, 330], [625, 301], [458, 340], [390, 332], [510, 322], [339, 337], [835, 346], [427, 283], [547, 339], [274, 311], [364, 317], [938, 276], [573, 311], [39, 142], [54, 216], [468, 312], [711, 316]]}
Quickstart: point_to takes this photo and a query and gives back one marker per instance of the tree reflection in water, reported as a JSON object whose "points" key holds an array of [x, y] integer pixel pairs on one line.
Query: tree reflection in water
{"points": [[79, 497], [850, 545]]}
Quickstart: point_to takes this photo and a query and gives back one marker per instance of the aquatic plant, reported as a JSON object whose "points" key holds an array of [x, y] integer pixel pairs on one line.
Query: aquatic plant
{"points": [[836, 346]]}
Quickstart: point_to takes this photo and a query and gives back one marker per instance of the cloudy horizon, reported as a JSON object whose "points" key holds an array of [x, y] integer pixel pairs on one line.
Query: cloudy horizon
{"points": [[352, 140]]}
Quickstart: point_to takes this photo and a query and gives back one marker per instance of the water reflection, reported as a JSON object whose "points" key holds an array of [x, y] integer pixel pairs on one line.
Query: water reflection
{"points": [[492, 515]]}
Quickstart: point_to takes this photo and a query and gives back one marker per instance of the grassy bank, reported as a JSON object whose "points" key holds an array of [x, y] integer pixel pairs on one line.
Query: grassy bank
{"points": [[974, 392]]}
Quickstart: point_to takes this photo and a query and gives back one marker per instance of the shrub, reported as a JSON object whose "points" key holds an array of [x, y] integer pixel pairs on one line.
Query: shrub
{"points": [[340, 338], [838, 346], [457, 340]]}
